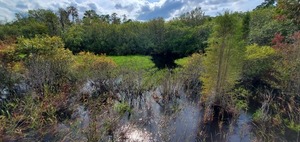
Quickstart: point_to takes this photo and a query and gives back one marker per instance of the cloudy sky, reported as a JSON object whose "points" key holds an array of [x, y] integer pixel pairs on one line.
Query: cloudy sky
{"points": [[134, 9]]}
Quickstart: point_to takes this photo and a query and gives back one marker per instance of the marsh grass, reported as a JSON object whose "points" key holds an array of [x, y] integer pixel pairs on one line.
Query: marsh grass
{"points": [[134, 62], [31, 114], [277, 119]]}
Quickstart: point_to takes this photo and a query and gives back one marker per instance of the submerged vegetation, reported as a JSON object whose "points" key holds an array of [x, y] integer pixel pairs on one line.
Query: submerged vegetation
{"points": [[232, 77]]}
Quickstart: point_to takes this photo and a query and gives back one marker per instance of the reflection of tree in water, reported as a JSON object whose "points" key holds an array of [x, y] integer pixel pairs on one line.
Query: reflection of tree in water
{"points": [[226, 129], [166, 60]]}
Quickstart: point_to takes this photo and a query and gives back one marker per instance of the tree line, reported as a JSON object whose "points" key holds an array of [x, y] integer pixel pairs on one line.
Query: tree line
{"points": [[118, 35], [111, 34]]}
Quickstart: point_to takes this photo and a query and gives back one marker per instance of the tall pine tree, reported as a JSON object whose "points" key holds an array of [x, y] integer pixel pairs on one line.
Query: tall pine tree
{"points": [[223, 59]]}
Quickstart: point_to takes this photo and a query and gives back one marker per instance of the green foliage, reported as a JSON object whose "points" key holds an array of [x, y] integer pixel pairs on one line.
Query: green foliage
{"points": [[182, 61], [266, 4], [11, 70], [153, 37], [98, 38], [157, 34], [259, 61], [40, 45], [36, 22], [224, 57], [90, 66], [29, 113], [246, 28], [136, 72], [263, 26], [132, 38], [106, 34], [191, 71], [47, 62], [194, 18], [255, 52], [90, 16], [9, 31], [133, 62], [121, 108], [177, 39], [191, 61], [240, 97], [288, 66], [258, 116], [64, 20], [293, 125], [289, 9], [183, 40], [73, 38], [46, 17]]}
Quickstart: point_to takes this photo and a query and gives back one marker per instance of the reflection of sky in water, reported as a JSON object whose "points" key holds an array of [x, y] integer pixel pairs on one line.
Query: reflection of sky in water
{"points": [[186, 123], [241, 129], [182, 125], [156, 122]]}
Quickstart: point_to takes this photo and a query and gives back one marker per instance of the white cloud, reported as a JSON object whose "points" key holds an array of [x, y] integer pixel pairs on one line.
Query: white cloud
{"points": [[134, 9], [5, 13]]}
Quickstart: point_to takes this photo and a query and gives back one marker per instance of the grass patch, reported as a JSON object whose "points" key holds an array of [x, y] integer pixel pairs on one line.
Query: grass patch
{"points": [[142, 62], [182, 61], [133, 62]]}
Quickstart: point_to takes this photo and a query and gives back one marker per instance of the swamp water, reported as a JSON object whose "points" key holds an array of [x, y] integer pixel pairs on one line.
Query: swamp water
{"points": [[152, 121]]}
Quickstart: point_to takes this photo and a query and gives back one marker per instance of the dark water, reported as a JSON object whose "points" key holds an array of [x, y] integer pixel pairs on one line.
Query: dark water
{"points": [[166, 60], [180, 121], [177, 121]]}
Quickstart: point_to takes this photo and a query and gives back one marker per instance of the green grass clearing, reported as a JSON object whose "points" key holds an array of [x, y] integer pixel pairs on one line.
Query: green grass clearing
{"points": [[134, 62], [182, 61]]}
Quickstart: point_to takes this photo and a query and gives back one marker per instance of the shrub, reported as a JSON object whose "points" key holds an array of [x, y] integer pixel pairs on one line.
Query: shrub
{"points": [[192, 71], [91, 66], [259, 60], [47, 62]]}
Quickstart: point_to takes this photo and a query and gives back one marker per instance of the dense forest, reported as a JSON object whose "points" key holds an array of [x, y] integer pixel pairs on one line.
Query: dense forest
{"points": [[104, 77]]}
